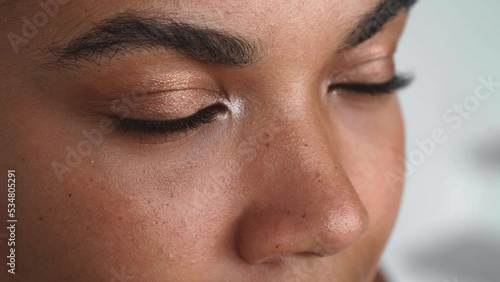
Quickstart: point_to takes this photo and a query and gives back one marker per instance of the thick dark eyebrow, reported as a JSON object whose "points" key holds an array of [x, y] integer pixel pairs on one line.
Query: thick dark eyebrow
{"points": [[373, 22], [127, 32]]}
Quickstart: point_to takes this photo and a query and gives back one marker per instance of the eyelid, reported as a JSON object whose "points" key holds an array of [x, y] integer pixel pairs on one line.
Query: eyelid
{"points": [[162, 105], [181, 125], [395, 83], [370, 71]]}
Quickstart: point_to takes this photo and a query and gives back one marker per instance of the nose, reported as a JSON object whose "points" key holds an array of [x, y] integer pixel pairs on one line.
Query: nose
{"points": [[303, 202]]}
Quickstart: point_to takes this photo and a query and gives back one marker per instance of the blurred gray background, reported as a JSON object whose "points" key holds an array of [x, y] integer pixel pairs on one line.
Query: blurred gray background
{"points": [[449, 225]]}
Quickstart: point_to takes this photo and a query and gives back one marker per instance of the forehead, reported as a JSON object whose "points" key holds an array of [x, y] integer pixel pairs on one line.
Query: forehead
{"points": [[278, 24]]}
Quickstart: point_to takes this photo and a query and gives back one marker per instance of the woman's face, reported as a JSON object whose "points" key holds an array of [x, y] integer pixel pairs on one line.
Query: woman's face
{"points": [[201, 140]]}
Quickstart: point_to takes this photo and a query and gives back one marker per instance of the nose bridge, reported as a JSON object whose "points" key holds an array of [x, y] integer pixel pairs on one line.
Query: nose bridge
{"points": [[306, 166], [304, 203], [302, 150]]}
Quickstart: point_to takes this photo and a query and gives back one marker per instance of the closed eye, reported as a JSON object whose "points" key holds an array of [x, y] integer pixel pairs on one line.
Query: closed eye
{"points": [[395, 83], [158, 127]]}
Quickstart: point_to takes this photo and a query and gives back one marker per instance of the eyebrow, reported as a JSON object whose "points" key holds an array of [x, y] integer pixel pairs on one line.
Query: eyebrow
{"points": [[127, 32], [373, 22]]}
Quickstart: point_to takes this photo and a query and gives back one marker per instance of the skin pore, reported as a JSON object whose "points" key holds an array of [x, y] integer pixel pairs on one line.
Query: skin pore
{"points": [[202, 140]]}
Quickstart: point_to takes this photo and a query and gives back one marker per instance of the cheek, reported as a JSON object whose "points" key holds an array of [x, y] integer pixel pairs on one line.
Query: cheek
{"points": [[371, 148], [169, 218], [111, 211], [372, 152], [113, 222]]}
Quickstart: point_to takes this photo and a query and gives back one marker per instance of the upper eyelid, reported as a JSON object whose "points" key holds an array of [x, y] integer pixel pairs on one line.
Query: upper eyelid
{"points": [[395, 83], [399, 77], [142, 93], [158, 105], [203, 116], [350, 69], [218, 106]]}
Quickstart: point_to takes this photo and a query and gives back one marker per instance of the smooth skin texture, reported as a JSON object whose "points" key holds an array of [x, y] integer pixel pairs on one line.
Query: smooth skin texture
{"points": [[289, 182]]}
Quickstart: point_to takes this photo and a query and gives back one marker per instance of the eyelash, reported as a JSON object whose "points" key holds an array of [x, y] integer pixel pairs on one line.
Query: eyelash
{"points": [[159, 127], [396, 83]]}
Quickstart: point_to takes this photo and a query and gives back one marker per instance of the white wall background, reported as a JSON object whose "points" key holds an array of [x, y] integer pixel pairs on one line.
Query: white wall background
{"points": [[449, 225]]}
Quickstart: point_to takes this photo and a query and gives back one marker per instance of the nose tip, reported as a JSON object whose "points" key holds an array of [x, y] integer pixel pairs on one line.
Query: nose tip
{"points": [[343, 228], [271, 234]]}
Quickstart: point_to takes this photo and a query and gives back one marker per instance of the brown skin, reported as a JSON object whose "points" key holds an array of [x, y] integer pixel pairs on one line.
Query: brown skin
{"points": [[309, 199]]}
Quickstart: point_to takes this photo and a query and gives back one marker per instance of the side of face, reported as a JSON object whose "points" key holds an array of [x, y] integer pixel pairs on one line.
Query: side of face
{"points": [[148, 163]]}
